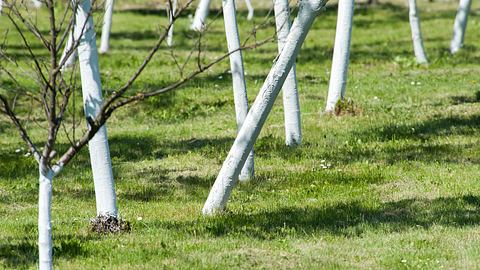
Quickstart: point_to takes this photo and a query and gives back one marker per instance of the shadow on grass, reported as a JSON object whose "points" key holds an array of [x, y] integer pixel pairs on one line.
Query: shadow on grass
{"points": [[23, 253], [457, 100], [347, 219], [438, 126]]}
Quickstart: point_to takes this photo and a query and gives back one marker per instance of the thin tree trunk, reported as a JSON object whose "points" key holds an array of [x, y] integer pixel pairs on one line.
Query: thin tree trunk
{"points": [[460, 25], [44, 219], [228, 176], [250, 9], [291, 105], [341, 54], [107, 26], [36, 3], [70, 61], [201, 15], [238, 77], [92, 97], [416, 33], [171, 13]]}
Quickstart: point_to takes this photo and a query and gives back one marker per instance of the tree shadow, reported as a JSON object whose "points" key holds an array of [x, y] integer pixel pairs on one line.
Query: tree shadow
{"points": [[23, 253], [457, 100], [438, 126], [349, 219]]}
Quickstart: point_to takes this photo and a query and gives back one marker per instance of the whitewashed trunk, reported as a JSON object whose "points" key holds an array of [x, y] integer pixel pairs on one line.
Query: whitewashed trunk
{"points": [[171, 13], [228, 176], [238, 77], [107, 26], [201, 14], [460, 25], [44, 219], [416, 33], [291, 105], [250, 9], [36, 3], [70, 61], [341, 54], [92, 98]]}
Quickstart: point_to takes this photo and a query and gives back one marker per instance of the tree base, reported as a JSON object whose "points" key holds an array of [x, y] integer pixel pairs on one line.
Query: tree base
{"points": [[109, 224]]}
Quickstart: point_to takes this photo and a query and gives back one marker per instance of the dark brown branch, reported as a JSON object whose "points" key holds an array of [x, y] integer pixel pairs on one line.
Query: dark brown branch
{"points": [[23, 133]]}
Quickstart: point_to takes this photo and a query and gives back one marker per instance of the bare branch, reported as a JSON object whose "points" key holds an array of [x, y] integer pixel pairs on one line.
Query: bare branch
{"points": [[23, 133]]}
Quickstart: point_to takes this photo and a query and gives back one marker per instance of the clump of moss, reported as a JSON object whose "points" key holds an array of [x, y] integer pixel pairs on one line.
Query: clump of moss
{"points": [[109, 224]]}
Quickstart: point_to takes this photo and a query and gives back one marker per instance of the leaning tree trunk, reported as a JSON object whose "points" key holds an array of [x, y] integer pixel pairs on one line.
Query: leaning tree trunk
{"points": [[228, 175], [238, 77], [171, 12], [92, 97], [107, 26], [460, 25], [416, 33], [44, 219], [341, 54], [201, 15], [293, 129]]}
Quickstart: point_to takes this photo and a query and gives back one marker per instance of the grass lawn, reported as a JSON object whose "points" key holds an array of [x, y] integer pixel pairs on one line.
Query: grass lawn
{"points": [[401, 188]]}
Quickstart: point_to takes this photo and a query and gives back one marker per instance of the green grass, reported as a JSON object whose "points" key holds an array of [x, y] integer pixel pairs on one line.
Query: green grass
{"points": [[401, 191]]}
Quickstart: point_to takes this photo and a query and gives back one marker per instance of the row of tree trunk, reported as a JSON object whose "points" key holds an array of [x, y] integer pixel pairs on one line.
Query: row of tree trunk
{"points": [[239, 163]]}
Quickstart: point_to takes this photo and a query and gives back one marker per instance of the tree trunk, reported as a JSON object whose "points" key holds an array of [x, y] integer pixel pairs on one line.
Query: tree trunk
{"points": [[228, 176], [291, 105], [460, 25], [171, 13], [238, 77], [201, 15], [107, 26], [44, 220], [36, 3], [416, 33], [250, 9], [92, 98], [70, 61], [341, 54]]}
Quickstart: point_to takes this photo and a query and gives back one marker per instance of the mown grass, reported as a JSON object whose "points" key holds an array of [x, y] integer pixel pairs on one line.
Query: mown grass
{"points": [[400, 190]]}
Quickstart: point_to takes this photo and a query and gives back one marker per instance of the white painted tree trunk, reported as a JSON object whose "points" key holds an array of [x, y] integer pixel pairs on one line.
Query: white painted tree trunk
{"points": [[291, 105], [341, 54], [171, 13], [92, 98], [107, 26], [238, 77], [201, 15], [250, 9], [227, 178], [460, 25], [416, 33], [36, 3], [70, 61], [44, 219]]}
